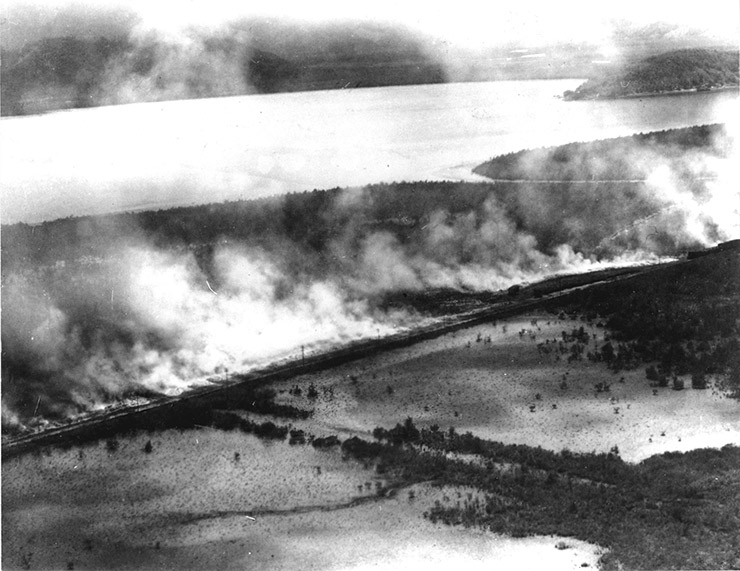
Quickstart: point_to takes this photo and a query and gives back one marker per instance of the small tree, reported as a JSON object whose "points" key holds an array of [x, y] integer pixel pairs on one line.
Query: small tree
{"points": [[411, 432], [698, 381], [148, 447], [607, 352], [380, 433], [651, 373]]}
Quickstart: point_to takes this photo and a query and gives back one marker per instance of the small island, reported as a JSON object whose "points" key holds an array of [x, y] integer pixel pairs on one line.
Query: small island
{"points": [[672, 72]]}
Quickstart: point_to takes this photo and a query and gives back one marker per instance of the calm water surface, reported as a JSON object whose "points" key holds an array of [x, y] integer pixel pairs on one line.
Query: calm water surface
{"points": [[185, 152]]}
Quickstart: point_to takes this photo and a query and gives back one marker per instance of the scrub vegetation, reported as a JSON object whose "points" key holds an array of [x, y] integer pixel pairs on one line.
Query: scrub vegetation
{"points": [[670, 511], [684, 321]]}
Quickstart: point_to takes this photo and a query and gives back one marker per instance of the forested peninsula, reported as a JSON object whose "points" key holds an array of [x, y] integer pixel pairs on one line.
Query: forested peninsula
{"points": [[622, 159], [675, 71]]}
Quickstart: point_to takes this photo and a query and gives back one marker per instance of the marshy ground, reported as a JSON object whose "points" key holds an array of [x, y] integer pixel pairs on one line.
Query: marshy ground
{"points": [[511, 383], [207, 498]]}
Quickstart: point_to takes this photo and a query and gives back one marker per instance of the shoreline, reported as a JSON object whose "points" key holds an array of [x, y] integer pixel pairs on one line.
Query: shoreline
{"points": [[653, 94]]}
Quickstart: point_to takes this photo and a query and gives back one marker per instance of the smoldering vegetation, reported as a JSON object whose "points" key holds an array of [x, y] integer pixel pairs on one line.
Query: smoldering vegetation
{"points": [[97, 309]]}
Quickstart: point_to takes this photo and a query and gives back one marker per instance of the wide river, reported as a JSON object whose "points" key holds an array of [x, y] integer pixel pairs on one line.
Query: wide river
{"points": [[164, 154]]}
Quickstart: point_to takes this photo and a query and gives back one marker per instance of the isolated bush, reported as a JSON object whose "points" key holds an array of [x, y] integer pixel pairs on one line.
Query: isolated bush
{"points": [[359, 449], [698, 381], [326, 442], [297, 437], [271, 430]]}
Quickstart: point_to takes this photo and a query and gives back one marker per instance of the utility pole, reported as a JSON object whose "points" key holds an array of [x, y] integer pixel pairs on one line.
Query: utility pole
{"points": [[303, 354]]}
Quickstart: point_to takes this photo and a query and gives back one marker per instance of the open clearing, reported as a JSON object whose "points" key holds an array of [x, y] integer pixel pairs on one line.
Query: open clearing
{"points": [[509, 391]]}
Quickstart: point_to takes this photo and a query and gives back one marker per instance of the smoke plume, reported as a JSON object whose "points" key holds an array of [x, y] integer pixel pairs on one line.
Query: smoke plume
{"points": [[152, 321], [146, 313], [187, 65]]}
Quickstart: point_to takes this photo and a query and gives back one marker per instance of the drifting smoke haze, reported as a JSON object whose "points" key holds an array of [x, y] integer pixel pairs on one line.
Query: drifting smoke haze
{"points": [[150, 320], [146, 319], [682, 195], [474, 250], [190, 65], [95, 310], [153, 314]]}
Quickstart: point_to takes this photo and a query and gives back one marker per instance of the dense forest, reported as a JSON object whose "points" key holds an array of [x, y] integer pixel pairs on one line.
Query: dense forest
{"points": [[680, 70], [308, 221], [585, 216], [318, 231]]}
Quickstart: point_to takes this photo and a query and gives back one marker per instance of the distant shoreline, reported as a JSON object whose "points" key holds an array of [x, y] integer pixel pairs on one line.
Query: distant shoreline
{"points": [[654, 93]]}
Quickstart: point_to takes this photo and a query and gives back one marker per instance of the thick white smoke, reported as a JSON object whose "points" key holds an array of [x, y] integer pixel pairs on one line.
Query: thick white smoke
{"points": [[481, 251], [151, 319], [168, 327], [251, 315], [706, 216], [159, 318]]}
